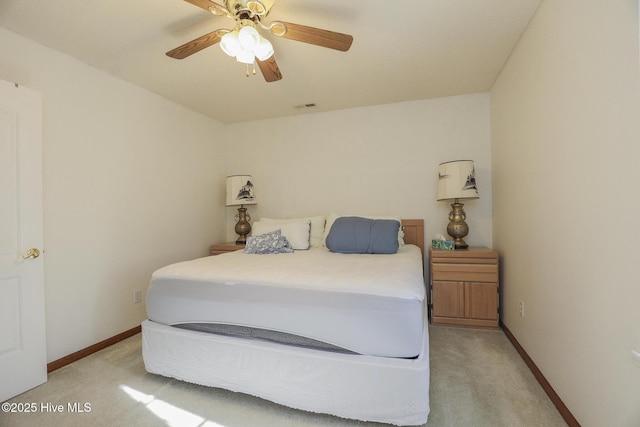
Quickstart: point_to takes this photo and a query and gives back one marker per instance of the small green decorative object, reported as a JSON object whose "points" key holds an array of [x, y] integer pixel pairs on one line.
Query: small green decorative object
{"points": [[443, 245]]}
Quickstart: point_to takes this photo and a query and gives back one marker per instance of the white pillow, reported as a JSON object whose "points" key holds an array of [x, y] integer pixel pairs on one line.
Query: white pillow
{"points": [[317, 227], [297, 233], [332, 218]]}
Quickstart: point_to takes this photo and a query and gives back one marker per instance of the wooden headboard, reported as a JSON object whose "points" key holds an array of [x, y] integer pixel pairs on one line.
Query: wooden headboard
{"points": [[414, 232]]}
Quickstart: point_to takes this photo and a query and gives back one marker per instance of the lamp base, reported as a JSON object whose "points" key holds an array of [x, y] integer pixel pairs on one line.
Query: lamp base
{"points": [[461, 245], [457, 227], [243, 227]]}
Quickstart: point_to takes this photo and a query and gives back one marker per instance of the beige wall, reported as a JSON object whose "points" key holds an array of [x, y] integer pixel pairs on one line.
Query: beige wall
{"points": [[377, 160], [130, 184], [565, 115]]}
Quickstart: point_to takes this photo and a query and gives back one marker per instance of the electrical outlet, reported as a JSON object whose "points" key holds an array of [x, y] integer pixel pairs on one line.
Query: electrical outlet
{"points": [[521, 308], [137, 296]]}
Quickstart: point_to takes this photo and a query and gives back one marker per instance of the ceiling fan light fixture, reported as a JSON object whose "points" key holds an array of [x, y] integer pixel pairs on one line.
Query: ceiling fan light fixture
{"points": [[230, 43], [246, 44], [249, 38], [245, 56], [264, 49]]}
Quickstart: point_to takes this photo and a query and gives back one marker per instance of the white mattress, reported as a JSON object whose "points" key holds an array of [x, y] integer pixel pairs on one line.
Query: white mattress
{"points": [[367, 304]]}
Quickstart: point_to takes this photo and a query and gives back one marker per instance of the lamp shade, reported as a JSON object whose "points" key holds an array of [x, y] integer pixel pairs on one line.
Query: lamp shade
{"points": [[264, 49], [230, 43], [245, 56], [457, 180], [240, 190], [249, 38]]}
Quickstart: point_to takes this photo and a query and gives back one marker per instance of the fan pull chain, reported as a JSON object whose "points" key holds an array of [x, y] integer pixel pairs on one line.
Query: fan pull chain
{"points": [[254, 69]]}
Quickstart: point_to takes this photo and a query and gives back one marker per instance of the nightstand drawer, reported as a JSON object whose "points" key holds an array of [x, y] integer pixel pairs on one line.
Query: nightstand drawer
{"points": [[465, 272]]}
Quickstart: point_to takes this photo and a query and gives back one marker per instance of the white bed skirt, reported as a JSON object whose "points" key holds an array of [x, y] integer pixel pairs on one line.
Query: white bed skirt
{"points": [[365, 388]]}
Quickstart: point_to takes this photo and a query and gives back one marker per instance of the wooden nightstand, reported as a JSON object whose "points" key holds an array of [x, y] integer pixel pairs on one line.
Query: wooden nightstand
{"points": [[223, 248], [464, 287]]}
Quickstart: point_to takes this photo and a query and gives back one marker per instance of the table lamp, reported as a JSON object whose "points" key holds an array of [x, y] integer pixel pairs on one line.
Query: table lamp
{"points": [[240, 193], [456, 181]]}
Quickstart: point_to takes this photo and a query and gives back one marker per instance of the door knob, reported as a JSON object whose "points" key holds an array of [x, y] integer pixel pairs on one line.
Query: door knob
{"points": [[31, 253]]}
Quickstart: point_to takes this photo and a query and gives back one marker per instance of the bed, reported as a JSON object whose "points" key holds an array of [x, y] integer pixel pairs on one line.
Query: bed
{"points": [[311, 329]]}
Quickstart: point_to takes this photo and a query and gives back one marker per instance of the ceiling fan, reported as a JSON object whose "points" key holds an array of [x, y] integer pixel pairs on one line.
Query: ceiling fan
{"points": [[244, 41]]}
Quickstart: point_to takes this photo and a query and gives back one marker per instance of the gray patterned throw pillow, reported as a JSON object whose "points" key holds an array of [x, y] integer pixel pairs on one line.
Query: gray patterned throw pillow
{"points": [[268, 243]]}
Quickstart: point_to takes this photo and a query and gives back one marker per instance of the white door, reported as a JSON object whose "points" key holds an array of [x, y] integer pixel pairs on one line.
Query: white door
{"points": [[23, 362]]}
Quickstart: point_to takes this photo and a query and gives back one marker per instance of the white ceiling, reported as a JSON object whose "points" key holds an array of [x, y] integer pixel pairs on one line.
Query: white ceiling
{"points": [[401, 50]]}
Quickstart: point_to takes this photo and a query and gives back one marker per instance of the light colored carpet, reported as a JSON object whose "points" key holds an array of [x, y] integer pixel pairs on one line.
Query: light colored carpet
{"points": [[477, 379]]}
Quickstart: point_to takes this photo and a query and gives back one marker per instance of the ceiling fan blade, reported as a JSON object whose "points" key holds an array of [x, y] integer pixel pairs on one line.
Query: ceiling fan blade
{"points": [[270, 69], [317, 36], [196, 45], [210, 6]]}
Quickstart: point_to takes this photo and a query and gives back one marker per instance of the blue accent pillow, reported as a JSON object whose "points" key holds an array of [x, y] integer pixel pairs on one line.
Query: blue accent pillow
{"points": [[268, 243], [356, 235]]}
